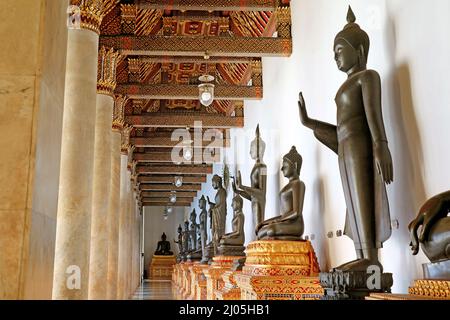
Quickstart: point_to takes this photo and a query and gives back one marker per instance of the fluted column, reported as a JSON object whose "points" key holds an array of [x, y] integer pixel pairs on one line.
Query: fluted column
{"points": [[71, 267], [114, 200], [123, 219], [98, 268]]}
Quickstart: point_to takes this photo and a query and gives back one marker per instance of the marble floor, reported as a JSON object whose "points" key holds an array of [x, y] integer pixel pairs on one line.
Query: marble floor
{"points": [[154, 290]]}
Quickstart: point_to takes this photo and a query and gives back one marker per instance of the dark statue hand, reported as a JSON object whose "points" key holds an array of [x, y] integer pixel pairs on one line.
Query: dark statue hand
{"points": [[302, 111], [239, 179], [233, 184], [383, 161]]}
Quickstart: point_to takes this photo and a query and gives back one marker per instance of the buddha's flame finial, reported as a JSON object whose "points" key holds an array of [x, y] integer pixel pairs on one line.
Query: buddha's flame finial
{"points": [[350, 15]]}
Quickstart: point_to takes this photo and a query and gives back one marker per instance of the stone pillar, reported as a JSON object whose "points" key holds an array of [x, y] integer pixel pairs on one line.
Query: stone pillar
{"points": [[98, 268], [114, 199], [73, 227], [123, 221]]}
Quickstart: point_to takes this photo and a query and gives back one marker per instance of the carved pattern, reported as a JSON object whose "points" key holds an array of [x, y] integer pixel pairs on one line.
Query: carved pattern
{"points": [[284, 22], [167, 91], [119, 115], [128, 13], [257, 78], [91, 13], [208, 120], [107, 65], [217, 46], [223, 5], [126, 139]]}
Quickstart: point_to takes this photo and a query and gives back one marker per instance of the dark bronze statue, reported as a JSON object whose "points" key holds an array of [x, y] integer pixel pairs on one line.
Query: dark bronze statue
{"points": [[186, 238], [193, 231], [163, 248], [360, 141], [203, 224], [180, 240], [434, 236], [232, 244], [218, 211], [289, 225], [256, 193]]}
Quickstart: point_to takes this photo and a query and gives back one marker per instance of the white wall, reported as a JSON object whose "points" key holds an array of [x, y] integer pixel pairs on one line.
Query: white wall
{"points": [[410, 48], [155, 225]]}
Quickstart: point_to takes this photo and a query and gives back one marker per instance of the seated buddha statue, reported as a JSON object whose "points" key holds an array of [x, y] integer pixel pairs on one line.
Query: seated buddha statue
{"points": [[232, 244], [289, 224], [431, 229], [163, 248]]}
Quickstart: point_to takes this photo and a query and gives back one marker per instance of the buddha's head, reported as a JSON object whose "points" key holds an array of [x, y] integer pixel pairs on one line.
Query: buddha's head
{"points": [[257, 147], [193, 216], [202, 202], [180, 229], [163, 237], [351, 45], [186, 225], [216, 182], [292, 163], [237, 203]]}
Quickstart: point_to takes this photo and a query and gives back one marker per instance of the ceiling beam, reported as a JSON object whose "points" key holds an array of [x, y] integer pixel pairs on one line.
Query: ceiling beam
{"points": [[249, 47], [199, 59], [165, 194], [166, 199], [208, 5], [170, 187], [157, 120], [165, 204], [187, 92], [166, 157], [166, 142], [170, 179], [174, 169]]}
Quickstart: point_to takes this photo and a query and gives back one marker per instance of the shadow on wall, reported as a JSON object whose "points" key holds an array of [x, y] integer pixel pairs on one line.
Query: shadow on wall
{"points": [[321, 246], [408, 190]]}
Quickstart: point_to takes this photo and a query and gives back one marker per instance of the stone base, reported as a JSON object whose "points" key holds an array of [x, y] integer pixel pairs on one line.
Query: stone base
{"points": [[230, 291], [352, 285], [161, 267], [236, 251], [208, 254], [186, 280], [194, 256], [437, 271], [280, 270], [198, 282]]}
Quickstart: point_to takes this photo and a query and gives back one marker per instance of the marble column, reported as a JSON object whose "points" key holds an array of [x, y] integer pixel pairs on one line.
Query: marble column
{"points": [[73, 226], [114, 200], [123, 219], [98, 268]]}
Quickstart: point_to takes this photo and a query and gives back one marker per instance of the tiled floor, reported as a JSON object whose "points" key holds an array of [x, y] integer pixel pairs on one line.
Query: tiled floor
{"points": [[154, 290]]}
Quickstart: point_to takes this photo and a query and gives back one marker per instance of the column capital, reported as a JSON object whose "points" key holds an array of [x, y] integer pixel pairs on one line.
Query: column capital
{"points": [[106, 75], [284, 22], [131, 163], [126, 139], [119, 113], [89, 12]]}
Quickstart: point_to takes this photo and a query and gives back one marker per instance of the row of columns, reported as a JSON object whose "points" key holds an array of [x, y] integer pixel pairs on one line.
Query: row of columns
{"points": [[97, 249]]}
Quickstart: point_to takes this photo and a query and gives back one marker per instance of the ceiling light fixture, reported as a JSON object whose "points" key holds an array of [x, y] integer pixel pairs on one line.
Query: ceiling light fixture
{"points": [[173, 197], [178, 181], [206, 87]]}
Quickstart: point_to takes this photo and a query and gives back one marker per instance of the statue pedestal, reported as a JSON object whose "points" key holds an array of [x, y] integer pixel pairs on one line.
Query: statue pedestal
{"points": [[354, 285], [230, 290], [161, 267], [280, 270], [186, 280], [214, 272], [198, 282]]}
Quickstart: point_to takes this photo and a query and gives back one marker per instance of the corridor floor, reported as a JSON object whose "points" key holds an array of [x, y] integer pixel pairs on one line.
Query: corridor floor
{"points": [[154, 290]]}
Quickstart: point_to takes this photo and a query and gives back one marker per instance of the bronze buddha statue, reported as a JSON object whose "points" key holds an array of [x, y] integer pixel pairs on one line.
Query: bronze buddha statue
{"points": [[163, 248], [218, 211], [256, 193], [434, 236], [360, 141], [289, 224], [236, 238], [202, 224]]}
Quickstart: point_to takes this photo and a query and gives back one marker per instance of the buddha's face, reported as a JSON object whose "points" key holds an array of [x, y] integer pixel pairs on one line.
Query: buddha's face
{"points": [[253, 151], [202, 204], [345, 55], [288, 168], [215, 184], [235, 205]]}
